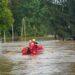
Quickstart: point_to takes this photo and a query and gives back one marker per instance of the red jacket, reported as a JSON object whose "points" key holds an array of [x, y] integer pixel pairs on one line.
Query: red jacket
{"points": [[32, 46]]}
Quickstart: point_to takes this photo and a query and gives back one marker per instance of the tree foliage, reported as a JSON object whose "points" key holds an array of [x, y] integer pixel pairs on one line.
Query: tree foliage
{"points": [[6, 18], [42, 17]]}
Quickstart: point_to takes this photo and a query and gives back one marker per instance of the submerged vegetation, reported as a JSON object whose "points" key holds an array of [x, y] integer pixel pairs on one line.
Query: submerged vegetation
{"points": [[20, 18]]}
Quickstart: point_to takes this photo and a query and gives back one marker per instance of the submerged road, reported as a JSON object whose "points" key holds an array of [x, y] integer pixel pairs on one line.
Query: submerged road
{"points": [[58, 58]]}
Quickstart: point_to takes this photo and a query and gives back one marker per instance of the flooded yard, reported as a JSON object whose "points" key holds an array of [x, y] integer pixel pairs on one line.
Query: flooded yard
{"points": [[58, 58]]}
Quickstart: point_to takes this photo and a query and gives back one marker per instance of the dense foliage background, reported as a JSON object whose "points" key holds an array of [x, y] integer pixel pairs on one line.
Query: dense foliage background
{"points": [[37, 18]]}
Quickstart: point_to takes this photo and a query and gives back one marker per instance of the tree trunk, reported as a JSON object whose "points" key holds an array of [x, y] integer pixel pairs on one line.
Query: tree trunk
{"points": [[4, 37], [22, 33], [12, 33], [24, 26]]}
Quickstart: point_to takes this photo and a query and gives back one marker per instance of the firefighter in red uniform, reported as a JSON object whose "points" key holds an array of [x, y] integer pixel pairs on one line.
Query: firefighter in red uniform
{"points": [[33, 45]]}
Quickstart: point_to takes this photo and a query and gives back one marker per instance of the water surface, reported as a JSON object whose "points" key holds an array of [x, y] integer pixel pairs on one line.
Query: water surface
{"points": [[58, 58]]}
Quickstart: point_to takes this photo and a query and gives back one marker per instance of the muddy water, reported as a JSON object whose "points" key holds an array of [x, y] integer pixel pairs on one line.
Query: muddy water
{"points": [[5, 66], [58, 58]]}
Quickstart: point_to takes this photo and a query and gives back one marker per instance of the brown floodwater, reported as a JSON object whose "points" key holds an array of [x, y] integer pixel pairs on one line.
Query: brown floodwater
{"points": [[58, 58]]}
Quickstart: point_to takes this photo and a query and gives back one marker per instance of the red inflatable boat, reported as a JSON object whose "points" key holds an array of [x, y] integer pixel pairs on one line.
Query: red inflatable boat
{"points": [[26, 50]]}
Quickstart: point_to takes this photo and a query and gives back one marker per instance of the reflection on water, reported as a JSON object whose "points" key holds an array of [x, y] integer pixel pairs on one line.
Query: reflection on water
{"points": [[58, 58]]}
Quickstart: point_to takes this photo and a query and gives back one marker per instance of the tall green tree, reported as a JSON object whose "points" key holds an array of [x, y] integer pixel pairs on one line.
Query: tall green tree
{"points": [[36, 13], [6, 19], [43, 17]]}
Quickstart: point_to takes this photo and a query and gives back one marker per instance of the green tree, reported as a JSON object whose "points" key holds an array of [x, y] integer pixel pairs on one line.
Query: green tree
{"points": [[6, 19], [43, 17]]}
